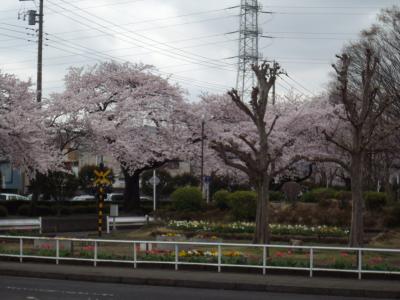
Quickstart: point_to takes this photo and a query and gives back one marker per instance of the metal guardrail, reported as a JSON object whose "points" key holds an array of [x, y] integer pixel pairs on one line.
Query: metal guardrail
{"points": [[312, 251], [21, 224], [114, 221]]}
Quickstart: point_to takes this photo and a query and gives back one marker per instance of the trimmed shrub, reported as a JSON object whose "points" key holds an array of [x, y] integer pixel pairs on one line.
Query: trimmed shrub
{"points": [[375, 200], [187, 199], [343, 195], [65, 210], [13, 205], [83, 209], [392, 216], [24, 210], [308, 197], [243, 205], [3, 211], [42, 210], [221, 199], [324, 193], [276, 196]]}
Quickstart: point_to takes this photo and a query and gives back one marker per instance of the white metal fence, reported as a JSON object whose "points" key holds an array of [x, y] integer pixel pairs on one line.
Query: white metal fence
{"points": [[113, 222], [310, 251], [21, 224]]}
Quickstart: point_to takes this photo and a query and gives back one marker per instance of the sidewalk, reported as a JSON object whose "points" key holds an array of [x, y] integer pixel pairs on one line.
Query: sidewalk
{"points": [[210, 280]]}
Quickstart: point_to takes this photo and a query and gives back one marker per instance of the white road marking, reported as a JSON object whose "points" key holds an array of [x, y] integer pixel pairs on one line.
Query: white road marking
{"points": [[57, 291]]}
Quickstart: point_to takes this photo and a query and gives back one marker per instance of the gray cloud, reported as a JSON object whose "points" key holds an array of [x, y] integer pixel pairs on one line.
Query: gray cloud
{"points": [[192, 49]]}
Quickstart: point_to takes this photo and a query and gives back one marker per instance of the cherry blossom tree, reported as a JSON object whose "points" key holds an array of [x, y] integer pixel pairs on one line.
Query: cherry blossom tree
{"points": [[130, 113], [350, 123], [255, 138], [23, 132]]}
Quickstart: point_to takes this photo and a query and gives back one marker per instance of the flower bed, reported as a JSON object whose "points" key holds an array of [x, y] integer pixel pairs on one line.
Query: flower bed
{"points": [[248, 227]]}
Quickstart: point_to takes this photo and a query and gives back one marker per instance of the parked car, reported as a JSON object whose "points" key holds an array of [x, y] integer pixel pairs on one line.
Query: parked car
{"points": [[12, 197], [84, 198], [41, 197]]}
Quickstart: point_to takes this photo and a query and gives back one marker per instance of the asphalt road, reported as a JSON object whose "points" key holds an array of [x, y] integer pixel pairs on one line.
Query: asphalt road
{"points": [[21, 288]]}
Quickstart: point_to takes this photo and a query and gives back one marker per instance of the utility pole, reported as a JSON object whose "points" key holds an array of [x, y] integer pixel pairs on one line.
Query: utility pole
{"points": [[33, 19], [248, 46]]}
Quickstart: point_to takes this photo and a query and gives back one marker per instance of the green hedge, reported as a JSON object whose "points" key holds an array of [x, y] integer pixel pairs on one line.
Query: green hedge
{"points": [[392, 216], [276, 196], [221, 199], [243, 205], [375, 200], [3, 211], [308, 197], [187, 199]]}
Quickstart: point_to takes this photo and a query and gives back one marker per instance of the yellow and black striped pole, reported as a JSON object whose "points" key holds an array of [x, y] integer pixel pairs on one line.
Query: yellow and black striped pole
{"points": [[100, 210], [102, 181]]}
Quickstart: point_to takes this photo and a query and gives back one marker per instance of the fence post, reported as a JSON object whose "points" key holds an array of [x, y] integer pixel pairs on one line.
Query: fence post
{"points": [[359, 263], [219, 258], [95, 254], [57, 251], [108, 224], [311, 261], [176, 256], [134, 256], [21, 249], [264, 260]]}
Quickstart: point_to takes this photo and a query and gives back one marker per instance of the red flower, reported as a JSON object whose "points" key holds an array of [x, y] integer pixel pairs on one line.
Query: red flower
{"points": [[344, 254], [88, 248], [279, 254]]}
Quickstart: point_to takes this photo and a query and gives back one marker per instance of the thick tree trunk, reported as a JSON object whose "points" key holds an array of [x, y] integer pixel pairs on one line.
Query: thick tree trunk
{"points": [[262, 233], [357, 221], [131, 192]]}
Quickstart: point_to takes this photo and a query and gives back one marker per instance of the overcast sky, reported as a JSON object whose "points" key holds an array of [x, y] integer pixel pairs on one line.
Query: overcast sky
{"points": [[189, 40]]}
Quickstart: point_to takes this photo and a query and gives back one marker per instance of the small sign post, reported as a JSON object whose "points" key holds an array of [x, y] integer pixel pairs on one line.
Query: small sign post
{"points": [[154, 181]]}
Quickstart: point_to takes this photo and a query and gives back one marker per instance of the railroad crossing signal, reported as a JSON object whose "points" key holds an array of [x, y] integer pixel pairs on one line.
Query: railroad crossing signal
{"points": [[102, 177], [102, 181]]}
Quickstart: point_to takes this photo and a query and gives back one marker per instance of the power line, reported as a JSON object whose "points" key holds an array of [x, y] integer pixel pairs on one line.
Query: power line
{"points": [[158, 49]]}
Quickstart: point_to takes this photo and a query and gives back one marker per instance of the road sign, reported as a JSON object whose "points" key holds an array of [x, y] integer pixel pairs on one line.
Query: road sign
{"points": [[154, 180], [102, 177]]}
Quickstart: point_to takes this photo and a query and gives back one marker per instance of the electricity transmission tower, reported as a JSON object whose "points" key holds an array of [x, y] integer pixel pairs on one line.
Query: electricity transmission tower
{"points": [[248, 46]]}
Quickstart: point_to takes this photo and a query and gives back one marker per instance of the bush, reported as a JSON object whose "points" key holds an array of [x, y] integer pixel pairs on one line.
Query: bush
{"points": [[243, 204], [24, 210], [375, 200], [308, 197], [221, 199], [187, 199], [83, 209], [324, 193], [3, 211], [42, 210], [276, 196], [13, 205], [343, 195], [65, 210], [392, 216]]}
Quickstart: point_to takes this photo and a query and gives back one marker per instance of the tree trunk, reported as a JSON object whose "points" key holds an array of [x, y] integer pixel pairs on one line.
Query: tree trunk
{"points": [[131, 192], [357, 221], [262, 233]]}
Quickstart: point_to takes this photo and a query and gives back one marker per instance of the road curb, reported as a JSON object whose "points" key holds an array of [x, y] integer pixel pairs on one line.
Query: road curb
{"points": [[202, 284]]}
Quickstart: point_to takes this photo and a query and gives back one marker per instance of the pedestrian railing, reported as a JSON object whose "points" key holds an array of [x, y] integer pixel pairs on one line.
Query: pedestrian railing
{"points": [[113, 222], [310, 259], [21, 224]]}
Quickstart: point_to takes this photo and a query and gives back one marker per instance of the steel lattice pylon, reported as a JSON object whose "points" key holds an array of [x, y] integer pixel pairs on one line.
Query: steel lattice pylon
{"points": [[248, 46]]}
